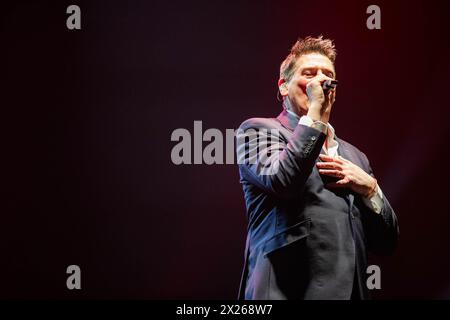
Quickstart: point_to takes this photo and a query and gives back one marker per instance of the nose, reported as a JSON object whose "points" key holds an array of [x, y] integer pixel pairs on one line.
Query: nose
{"points": [[320, 73]]}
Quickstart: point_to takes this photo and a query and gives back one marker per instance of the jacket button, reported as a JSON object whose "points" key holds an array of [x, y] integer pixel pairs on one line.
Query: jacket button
{"points": [[313, 138]]}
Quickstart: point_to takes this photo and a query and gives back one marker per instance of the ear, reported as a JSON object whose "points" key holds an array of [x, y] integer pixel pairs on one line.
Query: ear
{"points": [[283, 87]]}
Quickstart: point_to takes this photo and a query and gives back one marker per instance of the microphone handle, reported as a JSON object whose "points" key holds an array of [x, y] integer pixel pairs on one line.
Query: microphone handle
{"points": [[328, 85]]}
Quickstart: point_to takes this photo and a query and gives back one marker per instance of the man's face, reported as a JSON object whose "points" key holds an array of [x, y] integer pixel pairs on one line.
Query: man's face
{"points": [[308, 67]]}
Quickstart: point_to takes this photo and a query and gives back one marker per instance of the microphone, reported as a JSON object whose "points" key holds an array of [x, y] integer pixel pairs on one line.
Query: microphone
{"points": [[328, 85]]}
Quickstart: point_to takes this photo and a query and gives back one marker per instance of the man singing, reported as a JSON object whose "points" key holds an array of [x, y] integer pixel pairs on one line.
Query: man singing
{"points": [[313, 204]]}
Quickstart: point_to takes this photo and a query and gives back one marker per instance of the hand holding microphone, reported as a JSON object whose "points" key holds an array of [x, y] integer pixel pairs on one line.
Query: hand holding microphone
{"points": [[321, 94]]}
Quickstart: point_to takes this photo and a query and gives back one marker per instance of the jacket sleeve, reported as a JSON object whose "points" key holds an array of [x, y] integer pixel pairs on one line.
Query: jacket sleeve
{"points": [[382, 229], [272, 162]]}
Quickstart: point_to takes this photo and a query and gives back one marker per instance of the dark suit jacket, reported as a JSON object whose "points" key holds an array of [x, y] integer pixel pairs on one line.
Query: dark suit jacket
{"points": [[306, 241]]}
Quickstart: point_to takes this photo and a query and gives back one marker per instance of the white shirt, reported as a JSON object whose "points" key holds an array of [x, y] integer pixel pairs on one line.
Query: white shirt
{"points": [[376, 201]]}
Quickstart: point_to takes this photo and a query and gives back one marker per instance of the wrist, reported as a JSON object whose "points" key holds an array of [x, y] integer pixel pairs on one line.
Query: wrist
{"points": [[372, 189], [319, 125], [314, 113], [317, 113]]}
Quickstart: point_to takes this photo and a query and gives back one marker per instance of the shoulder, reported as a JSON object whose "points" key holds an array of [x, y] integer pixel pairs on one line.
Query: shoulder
{"points": [[348, 145], [260, 123]]}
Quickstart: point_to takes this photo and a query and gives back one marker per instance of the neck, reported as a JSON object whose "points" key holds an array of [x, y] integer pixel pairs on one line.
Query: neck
{"points": [[287, 104]]}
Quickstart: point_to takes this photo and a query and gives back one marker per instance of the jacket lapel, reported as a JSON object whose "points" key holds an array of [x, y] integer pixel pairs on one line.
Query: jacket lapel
{"points": [[345, 153], [288, 120]]}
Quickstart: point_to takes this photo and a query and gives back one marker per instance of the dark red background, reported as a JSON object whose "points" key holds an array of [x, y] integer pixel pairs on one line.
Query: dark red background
{"points": [[87, 118]]}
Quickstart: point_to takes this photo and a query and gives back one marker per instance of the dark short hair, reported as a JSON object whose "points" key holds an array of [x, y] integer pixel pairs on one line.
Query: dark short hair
{"points": [[304, 46]]}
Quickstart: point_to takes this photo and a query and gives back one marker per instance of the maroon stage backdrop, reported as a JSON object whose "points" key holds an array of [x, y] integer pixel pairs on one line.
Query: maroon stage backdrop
{"points": [[87, 117]]}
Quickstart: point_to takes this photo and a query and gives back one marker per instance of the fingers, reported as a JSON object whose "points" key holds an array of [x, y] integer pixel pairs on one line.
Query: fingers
{"points": [[318, 80], [329, 165], [337, 159], [332, 96], [324, 157], [343, 160], [313, 84], [332, 173]]}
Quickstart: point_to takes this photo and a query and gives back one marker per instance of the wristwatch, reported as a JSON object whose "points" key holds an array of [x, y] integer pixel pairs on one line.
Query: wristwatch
{"points": [[319, 125]]}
